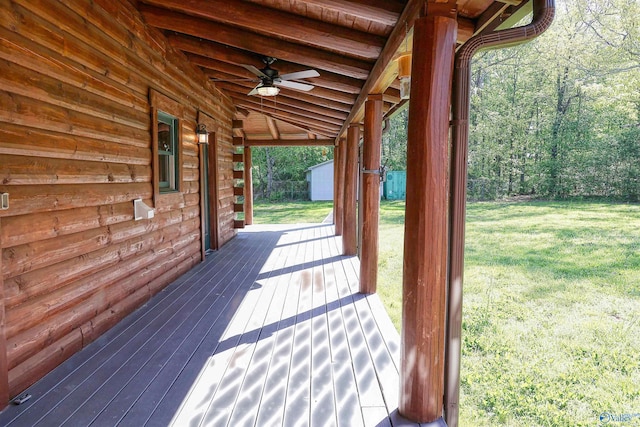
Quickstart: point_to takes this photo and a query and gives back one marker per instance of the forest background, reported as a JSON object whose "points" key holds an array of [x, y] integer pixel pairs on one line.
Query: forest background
{"points": [[555, 118]]}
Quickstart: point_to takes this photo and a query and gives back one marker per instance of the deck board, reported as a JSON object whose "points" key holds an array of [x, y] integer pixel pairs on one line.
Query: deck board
{"points": [[268, 331]]}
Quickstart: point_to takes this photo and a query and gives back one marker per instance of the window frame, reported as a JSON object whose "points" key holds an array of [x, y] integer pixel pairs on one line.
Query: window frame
{"points": [[162, 104], [173, 154]]}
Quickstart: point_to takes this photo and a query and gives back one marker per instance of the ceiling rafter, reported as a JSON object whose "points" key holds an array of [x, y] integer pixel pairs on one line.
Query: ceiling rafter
{"points": [[351, 43], [301, 96], [238, 57], [326, 97], [381, 11], [278, 142], [279, 24], [300, 122], [303, 108], [269, 106], [273, 128]]}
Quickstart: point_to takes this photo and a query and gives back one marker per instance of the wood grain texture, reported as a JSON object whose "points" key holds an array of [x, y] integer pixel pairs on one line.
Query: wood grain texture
{"points": [[370, 204], [75, 150], [426, 220], [4, 367], [349, 225], [339, 196], [235, 37], [281, 25]]}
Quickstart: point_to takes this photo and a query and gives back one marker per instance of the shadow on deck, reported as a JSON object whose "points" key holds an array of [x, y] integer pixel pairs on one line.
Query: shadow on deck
{"points": [[269, 331]]}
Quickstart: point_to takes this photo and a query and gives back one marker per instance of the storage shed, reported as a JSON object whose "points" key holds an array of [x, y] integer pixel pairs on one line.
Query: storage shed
{"points": [[395, 186], [320, 179]]}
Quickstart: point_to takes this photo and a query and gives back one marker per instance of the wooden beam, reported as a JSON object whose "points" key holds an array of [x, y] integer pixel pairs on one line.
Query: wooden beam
{"points": [[4, 366], [381, 11], [236, 57], [490, 15], [288, 142], [349, 225], [214, 193], [287, 103], [299, 122], [248, 187], [370, 202], [409, 15], [203, 208], [262, 45], [338, 101], [338, 197], [273, 128], [285, 111], [426, 218], [277, 24]]}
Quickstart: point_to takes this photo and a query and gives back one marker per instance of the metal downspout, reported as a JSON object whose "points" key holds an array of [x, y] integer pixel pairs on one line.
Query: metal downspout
{"points": [[543, 13]]}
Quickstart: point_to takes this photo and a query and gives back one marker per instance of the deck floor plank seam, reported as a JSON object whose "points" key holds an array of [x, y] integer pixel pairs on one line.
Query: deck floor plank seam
{"points": [[214, 334], [155, 364], [221, 410], [82, 369], [255, 378], [270, 330]]}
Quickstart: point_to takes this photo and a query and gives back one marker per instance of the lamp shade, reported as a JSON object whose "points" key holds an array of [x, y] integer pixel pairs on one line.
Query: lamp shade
{"points": [[268, 90], [203, 135]]}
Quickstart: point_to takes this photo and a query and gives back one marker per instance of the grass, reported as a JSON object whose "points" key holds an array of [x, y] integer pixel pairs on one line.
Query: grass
{"points": [[299, 212], [551, 308], [551, 311]]}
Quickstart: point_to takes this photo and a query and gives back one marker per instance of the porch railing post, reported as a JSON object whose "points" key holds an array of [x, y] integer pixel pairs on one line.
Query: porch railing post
{"points": [[248, 187], [338, 197]]}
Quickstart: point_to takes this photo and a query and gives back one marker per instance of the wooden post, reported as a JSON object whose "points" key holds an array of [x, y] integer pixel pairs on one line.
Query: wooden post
{"points": [[248, 187], [349, 238], [214, 194], [370, 199], [335, 181], [426, 218], [203, 208], [4, 367], [338, 197]]}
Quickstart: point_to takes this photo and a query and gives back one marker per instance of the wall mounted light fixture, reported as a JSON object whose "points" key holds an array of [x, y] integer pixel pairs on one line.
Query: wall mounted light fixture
{"points": [[203, 135]]}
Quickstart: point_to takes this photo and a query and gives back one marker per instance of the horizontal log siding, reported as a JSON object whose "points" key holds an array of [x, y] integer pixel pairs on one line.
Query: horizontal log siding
{"points": [[75, 150]]}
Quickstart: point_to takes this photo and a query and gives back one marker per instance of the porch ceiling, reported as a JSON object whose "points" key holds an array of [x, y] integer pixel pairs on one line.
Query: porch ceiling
{"points": [[351, 43]]}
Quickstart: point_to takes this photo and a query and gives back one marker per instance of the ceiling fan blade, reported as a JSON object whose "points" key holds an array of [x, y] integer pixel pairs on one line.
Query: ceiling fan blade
{"points": [[293, 85], [254, 70], [300, 75], [254, 91]]}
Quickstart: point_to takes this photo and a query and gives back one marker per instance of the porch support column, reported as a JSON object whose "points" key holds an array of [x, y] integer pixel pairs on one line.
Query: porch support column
{"points": [[4, 367], [338, 197], [426, 218], [349, 225], [248, 187], [370, 200]]}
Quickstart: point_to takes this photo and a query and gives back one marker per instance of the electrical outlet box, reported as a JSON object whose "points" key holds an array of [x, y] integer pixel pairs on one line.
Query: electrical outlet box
{"points": [[4, 201]]}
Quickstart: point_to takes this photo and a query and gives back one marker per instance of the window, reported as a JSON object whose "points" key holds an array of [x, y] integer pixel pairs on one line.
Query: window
{"points": [[168, 152]]}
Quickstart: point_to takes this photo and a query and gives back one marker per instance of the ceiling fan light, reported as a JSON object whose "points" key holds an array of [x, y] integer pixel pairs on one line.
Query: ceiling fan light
{"points": [[268, 90]]}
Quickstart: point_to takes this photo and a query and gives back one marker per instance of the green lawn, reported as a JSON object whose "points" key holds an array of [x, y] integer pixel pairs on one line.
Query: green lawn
{"points": [[551, 321], [290, 212]]}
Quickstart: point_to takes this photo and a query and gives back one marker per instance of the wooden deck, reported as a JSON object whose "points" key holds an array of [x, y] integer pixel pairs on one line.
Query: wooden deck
{"points": [[269, 331]]}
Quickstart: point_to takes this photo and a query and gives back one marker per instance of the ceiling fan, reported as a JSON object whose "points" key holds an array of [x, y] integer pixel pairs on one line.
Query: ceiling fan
{"points": [[270, 81]]}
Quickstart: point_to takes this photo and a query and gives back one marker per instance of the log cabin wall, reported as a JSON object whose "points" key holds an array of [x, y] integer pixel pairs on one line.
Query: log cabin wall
{"points": [[75, 151]]}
